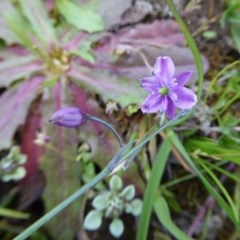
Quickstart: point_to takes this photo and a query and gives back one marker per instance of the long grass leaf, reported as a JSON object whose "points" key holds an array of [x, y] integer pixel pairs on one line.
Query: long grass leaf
{"points": [[163, 214], [192, 45], [204, 180], [151, 189]]}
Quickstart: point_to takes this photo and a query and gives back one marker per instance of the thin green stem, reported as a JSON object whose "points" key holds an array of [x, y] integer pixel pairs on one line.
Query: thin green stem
{"points": [[191, 44], [112, 164], [115, 162], [108, 126], [34, 227]]}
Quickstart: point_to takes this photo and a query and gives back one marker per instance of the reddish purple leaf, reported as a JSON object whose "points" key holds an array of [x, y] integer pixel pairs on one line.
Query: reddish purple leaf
{"points": [[15, 103], [32, 126], [32, 185], [160, 33], [18, 67]]}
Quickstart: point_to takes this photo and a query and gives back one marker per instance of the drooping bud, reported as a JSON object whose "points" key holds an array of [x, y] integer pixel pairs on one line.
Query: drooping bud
{"points": [[70, 117]]}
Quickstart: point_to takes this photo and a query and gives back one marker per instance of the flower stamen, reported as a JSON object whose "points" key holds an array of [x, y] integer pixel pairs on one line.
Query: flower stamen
{"points": [[163, 91]]}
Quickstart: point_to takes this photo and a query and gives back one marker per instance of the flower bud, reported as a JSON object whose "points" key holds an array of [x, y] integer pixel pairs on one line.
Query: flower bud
{"points": [[69, 117]]}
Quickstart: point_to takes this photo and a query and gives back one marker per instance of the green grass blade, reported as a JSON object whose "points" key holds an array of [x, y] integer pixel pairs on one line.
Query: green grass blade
{"points": [[13, 213], [191, 44], [151, 189], [221, 187], [163, 214], [204, 180]]}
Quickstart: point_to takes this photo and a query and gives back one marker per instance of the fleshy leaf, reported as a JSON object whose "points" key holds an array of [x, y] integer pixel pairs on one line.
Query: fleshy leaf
{"points": [[116, 227], [81, 17], [115, 183], [93, 220], [128, 192], [16, 68], [14, 108], [100, 202], [136, 207], [39, 20], [16, 175], [128, 208]]}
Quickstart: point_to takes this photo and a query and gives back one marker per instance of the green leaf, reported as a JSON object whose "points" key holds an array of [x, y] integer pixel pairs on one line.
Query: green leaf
{"points": [[5, 212], [51, 82], [93, 220], [128, 208], [236, 36], [16, 175], [230, 15], [128, 193], [115, 183], [16, 23], [81, 17], [152, 186], [136, 207], [163, 214], [221, 187], [85, 55], [210, 34], [192, 44], [116, 227], [100, 202], [203, 178], [39, 20]]}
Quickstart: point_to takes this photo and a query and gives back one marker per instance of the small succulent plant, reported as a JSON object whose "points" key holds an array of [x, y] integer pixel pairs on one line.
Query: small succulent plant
{"points": [[111, 204], [11, 165]]}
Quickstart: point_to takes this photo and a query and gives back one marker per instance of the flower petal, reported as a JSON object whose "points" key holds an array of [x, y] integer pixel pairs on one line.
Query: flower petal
{"points": [[171, 109], [186, 98], [68, 117], [154, 103], [150, 84], [164, 67], [183, 78]]}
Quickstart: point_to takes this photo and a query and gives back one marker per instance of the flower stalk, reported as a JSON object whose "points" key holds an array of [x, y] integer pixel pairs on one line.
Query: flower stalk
{"points": [[72, 117], [108, 126]]}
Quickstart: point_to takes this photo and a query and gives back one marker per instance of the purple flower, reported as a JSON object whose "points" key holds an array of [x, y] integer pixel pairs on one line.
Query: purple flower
{"points": [[69, 117], [166, 90]]}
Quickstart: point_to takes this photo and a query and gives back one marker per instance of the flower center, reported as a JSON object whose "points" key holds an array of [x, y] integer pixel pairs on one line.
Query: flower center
{"points": [[58, 61], [163, 91]]}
